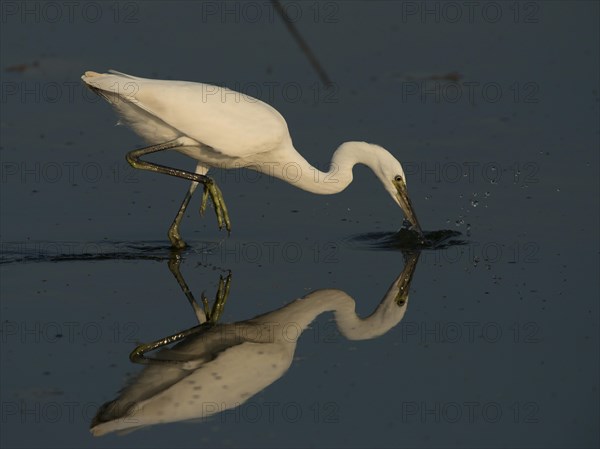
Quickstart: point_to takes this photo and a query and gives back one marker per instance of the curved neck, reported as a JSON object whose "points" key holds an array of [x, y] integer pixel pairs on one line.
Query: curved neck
{"points": [[300, 173]]}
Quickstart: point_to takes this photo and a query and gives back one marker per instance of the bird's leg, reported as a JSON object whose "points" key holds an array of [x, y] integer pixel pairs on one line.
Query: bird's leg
{"points": [[174, 236], [133, 157], [203, 202]]}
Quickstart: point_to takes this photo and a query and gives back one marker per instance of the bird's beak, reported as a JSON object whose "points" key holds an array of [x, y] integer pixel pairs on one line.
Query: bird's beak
{"points": [[404, 202]]}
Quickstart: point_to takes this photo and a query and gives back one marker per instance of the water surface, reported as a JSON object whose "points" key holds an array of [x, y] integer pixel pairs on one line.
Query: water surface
{"points": [[499, 338]]}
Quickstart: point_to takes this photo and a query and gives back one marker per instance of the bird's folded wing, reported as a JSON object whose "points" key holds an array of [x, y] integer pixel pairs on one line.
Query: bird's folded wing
{"points": [[231, 123]]}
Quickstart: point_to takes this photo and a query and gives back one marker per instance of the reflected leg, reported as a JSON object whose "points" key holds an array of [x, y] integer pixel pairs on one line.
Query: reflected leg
{"points": [[138, 355], [221, 298], [174, 263], [206, 318]]}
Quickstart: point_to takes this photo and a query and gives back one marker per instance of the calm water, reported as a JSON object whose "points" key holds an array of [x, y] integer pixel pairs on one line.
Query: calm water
{"points": [[494, 114]]}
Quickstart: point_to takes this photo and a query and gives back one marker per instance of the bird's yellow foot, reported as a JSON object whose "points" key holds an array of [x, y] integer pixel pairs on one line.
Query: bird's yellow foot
{"points": [[216, 196]]}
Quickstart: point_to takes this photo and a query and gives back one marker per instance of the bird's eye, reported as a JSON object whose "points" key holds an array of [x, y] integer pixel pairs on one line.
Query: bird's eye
{"points": [[398, 178]]}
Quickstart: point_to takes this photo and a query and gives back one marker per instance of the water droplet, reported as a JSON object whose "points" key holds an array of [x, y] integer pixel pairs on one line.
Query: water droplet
{"points": [[487, 194]]}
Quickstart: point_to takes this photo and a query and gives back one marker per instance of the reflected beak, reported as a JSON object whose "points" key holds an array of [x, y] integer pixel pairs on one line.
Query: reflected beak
{"points": [[406, 276], [404, 202]]}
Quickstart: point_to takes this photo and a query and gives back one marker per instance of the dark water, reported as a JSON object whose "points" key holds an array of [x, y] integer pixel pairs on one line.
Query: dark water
{"points": [[495, 119]]}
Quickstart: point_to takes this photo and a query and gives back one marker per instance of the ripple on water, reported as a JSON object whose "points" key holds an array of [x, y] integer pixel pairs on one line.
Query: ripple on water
{"points": [[407, 240], [43, 251]]}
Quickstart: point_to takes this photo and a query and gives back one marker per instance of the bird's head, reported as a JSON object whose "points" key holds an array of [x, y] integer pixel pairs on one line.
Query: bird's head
{"points": [[390, 172], [387, 168]]}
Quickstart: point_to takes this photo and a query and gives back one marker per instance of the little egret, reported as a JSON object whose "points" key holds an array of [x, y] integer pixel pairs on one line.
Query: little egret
{"points": [[222, 128]]}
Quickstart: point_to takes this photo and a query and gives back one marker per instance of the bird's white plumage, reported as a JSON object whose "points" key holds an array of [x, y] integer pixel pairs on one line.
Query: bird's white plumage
{"points": [[161, 110]]}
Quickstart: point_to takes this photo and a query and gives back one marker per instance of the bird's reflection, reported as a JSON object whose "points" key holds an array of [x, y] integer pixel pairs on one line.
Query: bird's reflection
{"points": [[226, 364]]}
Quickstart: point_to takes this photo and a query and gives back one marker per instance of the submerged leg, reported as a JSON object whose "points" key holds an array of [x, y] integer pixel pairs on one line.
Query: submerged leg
{"points": [[210, 188]]}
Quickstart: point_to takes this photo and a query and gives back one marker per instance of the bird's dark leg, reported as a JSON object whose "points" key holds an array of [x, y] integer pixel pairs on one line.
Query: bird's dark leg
{"points": [[210, 188], [174, 236]]}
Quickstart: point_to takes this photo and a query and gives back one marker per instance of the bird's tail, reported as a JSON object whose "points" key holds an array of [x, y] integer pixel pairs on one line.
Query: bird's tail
{"points": [[112, 86], [89, 75], [106, 81], [122, 92]]}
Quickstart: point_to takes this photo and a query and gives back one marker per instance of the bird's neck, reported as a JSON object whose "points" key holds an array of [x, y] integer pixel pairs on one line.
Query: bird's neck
{"points": [[300, 173]]}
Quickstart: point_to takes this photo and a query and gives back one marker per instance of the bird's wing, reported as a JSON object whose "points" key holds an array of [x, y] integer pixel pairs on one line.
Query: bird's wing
{"points": [[231, 123]]}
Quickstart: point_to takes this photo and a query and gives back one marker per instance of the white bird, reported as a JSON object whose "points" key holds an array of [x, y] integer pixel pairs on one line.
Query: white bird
{"points": [[219, 127], [224, 365]]}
